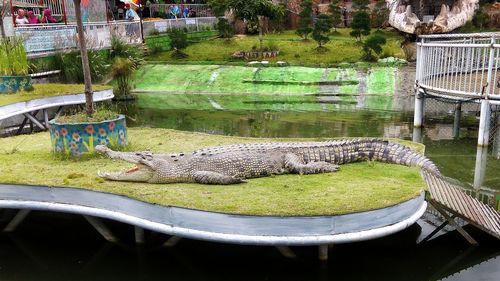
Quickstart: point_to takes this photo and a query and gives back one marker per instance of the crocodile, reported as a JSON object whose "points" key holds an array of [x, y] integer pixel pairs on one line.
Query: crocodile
{"points": [[232, 164]]}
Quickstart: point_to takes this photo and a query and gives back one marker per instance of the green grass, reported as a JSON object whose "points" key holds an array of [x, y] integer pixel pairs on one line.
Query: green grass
{"points": [[342, 48], [356, 187], [47, 90]]}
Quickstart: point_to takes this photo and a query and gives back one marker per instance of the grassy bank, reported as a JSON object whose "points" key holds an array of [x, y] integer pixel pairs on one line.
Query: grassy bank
{"points": [[356, 187], [47, 90], [341, 49]]}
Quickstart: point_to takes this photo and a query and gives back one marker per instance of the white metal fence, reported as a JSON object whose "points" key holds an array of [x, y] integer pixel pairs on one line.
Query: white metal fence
{"points": [[461, 66], [43, 39], [187, 24]]}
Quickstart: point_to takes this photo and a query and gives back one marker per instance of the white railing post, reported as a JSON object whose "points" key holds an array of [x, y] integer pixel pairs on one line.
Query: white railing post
{"points": [[418, 117], [485, 115]]}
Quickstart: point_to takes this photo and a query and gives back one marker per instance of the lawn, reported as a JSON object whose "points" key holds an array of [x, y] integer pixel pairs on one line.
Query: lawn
{"points": [[356, 187], [342, 48], [47, 90]]}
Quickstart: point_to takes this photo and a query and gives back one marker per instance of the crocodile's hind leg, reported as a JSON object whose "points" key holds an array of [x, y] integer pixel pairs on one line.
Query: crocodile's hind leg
{"points": [[208, 177], [295, 164]]}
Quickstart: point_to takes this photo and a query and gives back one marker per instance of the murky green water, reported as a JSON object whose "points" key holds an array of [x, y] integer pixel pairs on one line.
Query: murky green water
{"points": [[51, 247]]}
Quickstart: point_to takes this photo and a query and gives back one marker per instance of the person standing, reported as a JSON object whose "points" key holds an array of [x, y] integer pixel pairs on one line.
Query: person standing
{"points": [[21, 17]]}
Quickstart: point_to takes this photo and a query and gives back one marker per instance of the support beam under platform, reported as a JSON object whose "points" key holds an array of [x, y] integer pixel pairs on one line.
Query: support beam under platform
{"points": [[102, 229], [139, 235], [17, 220], [323, 252], [451, 220], [172, 241], [286, 252]]}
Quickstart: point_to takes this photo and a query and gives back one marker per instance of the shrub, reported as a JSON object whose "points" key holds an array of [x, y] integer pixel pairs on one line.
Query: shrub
{"points": [[224, 28], [272, 46], [70, 64], [120, 49], [121, 70], [360, 25], [373, 44], [178, 41], [13, 59], [252, 26]]}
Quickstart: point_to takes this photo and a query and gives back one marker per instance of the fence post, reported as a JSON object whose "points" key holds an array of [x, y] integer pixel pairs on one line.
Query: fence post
{"points": [[485, 117]]}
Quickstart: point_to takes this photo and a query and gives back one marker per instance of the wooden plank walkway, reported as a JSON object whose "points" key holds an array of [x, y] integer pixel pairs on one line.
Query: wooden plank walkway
{"points": [[444, 195]]}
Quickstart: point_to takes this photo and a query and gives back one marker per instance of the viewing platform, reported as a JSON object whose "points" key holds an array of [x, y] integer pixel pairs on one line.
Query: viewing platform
{"points": [[460, 68]]}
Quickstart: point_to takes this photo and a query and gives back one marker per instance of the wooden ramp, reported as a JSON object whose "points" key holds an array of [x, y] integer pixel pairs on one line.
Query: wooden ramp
{"points": [[451, 202]]}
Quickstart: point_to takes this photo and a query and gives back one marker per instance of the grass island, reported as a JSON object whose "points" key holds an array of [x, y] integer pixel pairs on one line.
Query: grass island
{"points": [[355, 188]]}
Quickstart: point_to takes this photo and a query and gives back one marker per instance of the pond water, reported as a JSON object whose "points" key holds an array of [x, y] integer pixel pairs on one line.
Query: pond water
{"points": [[63, 247]]}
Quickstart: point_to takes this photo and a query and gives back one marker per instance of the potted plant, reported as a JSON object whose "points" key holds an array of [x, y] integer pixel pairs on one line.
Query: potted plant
{"points": [[79, 134], [13, 66]]}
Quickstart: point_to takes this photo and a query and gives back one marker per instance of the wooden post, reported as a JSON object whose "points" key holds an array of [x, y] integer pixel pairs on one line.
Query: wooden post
{"points": [[89, 99], [139, 235], [323, 252]]}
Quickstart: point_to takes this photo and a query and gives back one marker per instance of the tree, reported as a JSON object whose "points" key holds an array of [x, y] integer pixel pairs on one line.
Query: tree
{"points": [[380, 14], [321, 28], [373, 44], [89, 96], [360, 5], [254, 10], [224, 28], [360, 25], [4, 9], [305, 20], [336, 13]]}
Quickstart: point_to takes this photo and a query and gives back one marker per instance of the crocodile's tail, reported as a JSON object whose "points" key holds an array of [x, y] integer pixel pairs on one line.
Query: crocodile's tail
{"points": [[385, 151]]}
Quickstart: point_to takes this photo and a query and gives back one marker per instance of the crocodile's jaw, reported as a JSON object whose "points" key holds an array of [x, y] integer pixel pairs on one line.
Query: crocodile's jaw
{"points": [[401, 17], [140, 173]]}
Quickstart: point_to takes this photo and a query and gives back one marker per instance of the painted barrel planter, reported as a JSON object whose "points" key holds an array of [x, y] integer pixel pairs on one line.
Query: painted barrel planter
{"points": [[12, 84], [77, 139]]}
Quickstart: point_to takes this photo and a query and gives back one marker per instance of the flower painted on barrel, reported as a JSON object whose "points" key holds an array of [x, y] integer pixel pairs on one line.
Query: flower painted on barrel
{"points": [[76, 136], [121, 133], [89, 129], [102, 132], [56, 134], [111, 126], [64, 132], [73, 145]]}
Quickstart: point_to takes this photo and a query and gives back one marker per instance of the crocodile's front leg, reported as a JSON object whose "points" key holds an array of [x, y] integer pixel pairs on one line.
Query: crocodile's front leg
{"points": [[208, 177], [294, 164]]}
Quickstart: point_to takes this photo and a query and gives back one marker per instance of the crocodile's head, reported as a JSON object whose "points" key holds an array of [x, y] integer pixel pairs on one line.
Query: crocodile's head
{"points": [[139, 173], [426, 17]]}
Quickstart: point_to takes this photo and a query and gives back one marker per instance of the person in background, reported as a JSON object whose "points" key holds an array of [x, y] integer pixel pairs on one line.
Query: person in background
{"points": [[175, 11], [32, 18], [47, 17], [185, 12], [21, 17]]}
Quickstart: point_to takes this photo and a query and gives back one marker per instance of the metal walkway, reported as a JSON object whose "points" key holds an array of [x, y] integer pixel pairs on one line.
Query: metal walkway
{"points": [[450, 199]]}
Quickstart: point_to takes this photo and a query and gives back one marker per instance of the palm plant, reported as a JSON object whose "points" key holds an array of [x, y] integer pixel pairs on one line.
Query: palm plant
{"points": [[13, 59]]}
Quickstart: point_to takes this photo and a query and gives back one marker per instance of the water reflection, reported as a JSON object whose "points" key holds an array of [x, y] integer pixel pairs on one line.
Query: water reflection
{"points": [[47, 249]]}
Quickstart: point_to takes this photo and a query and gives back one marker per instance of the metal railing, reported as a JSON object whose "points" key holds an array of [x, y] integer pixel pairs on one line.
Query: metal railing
{"points": [[460, 66], [46, 39], [187, 24]]}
